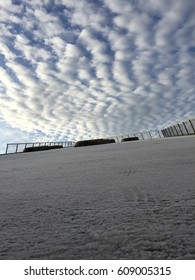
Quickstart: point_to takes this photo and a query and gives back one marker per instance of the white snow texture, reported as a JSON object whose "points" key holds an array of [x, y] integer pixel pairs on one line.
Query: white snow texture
{"points": [[131, 200]]}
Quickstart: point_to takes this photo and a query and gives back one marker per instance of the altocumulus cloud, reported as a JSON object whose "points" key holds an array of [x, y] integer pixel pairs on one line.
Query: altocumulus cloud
{"points": [[94, 68]]}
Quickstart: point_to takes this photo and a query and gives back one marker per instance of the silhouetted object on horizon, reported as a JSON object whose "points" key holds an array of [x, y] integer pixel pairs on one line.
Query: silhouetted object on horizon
{"points": [[41, 148], [129, 139], [93, 142]]}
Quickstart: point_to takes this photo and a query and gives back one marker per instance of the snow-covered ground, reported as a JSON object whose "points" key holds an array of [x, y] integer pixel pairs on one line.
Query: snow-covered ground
{"points": [[131, 200]]}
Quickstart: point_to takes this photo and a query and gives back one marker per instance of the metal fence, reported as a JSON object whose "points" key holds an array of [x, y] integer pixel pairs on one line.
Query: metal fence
{"points": [[180, 129], [143, 135], [14, 148]]}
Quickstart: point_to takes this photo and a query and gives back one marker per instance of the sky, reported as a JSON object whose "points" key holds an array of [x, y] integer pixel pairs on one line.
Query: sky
{"points": [[84, 69]]}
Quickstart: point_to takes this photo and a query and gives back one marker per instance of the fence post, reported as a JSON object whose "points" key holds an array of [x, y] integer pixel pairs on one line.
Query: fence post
{"points": [[169, 131], [180, 128], [166, 132], [163, 132], [142, 135], [192, 125], [150, 134], [176, 130], [7, 146], [172, 131], [185, 128], [16, 148]]}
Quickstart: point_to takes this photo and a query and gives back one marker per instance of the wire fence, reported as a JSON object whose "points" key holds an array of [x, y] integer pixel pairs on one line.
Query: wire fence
{"points": [[180, 129], [14, 148]]}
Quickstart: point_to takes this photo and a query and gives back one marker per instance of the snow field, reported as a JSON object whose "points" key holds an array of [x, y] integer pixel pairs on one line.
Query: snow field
{"points": [[131, 200]]}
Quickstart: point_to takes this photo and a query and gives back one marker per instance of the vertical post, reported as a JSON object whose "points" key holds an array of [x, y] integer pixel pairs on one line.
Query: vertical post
{"points": [[7, 146], [180, 128], [142, 135], [166, 133], [172, 131], [176, 130], [150, 134], [162, 132], [185, 128], [192, 125], [16, 148]]}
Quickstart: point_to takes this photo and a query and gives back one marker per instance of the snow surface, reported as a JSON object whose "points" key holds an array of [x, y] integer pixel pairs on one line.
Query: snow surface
{"points": [[130, 200]]}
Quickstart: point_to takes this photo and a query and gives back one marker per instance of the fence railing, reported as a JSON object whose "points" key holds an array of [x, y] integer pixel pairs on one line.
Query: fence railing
{"points": [[180, 129], [14, 148], [143, 135]]}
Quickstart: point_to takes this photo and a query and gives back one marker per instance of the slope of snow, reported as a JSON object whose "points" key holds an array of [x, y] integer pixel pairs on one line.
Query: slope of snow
{"points": [[131, 200]]}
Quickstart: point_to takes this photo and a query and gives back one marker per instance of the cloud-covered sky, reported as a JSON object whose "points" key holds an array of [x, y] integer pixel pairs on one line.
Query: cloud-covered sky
{"points": [[74, 69]]}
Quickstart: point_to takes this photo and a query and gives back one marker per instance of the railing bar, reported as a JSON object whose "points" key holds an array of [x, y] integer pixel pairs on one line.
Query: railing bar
{"points": [[180, 129], [176, 130], [172, 131], [6, 149], [185, 128], [192, 125], [159, 134], [16, 148]]}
